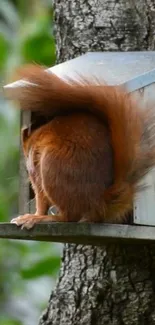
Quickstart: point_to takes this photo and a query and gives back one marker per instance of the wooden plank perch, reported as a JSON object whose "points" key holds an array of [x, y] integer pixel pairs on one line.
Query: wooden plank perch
{"points": [[80, 233]]}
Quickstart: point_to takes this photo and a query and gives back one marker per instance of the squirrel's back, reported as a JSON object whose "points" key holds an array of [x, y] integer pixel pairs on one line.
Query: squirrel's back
{"points": [[77, 162]]}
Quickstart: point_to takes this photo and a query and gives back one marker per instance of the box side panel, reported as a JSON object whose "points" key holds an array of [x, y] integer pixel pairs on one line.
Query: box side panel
{"points": [[144, 203], [23, 184]]}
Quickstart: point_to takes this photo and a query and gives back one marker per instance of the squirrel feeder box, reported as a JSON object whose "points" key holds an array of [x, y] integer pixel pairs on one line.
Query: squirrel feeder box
{"points": [[135, 71]]}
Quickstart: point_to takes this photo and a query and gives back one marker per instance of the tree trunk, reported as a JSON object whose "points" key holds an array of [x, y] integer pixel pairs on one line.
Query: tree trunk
{"points": [[114, 284]]}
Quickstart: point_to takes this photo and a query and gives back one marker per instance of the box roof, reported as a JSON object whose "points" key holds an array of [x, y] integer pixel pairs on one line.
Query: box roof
{"points": [[133, 69]]}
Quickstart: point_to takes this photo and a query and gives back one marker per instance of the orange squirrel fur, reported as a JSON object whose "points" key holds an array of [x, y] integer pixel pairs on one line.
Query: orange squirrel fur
{"points": [[88, 160]]}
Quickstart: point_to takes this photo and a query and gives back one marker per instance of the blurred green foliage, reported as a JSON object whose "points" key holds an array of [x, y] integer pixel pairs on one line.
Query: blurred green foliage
{"points": [[26, 34], [27, 269]]}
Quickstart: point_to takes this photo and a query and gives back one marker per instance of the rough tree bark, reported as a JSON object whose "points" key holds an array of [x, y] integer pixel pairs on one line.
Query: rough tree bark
{"points": [[111, 285]]}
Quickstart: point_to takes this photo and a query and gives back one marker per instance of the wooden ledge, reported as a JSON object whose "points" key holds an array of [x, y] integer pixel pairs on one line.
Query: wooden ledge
{"points": [[80, 233]]}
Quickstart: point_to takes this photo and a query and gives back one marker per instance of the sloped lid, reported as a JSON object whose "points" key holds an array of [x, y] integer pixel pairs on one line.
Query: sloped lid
{"points": [[132, 69]]}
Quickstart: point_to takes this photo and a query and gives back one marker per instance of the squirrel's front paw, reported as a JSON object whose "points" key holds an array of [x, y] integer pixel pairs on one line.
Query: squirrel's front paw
{"points": [[26, 221]]}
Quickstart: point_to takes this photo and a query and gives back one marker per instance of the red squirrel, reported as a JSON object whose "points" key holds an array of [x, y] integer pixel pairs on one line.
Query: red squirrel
{"points": [[88, 160]]}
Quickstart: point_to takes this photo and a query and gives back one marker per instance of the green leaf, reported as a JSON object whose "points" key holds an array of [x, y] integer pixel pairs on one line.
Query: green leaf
{"points": [[39, 49], [4, 48], [48, 266], [37, 44]]}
